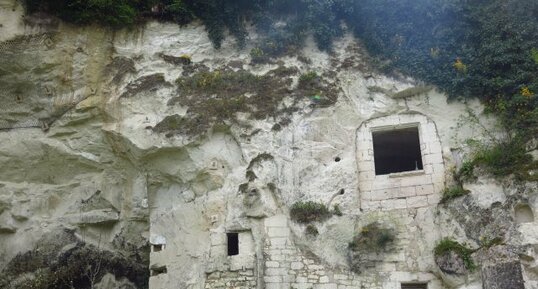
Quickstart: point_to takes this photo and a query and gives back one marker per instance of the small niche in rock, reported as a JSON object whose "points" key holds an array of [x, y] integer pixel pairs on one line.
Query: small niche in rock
{"points": [[414, 285], [158, 271], [233, 244], [158, 248], [337, 159], [341, 192], [524, 214]]}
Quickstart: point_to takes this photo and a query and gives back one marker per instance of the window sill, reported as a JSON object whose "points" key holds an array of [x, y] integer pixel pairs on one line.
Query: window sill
{"points": [[407, 174]]}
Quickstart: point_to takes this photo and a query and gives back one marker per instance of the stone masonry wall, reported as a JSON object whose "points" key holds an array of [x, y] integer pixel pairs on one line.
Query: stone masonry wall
{"points": [[411, 189], [287, 266], [244, 279]]}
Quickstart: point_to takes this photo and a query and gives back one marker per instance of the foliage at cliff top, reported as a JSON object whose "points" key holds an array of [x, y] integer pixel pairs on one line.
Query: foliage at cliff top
{"points": [[483, 48]]}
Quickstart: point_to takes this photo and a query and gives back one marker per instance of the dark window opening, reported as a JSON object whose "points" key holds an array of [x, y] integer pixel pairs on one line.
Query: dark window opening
{"points": [[233, 244], [158, 271], [397, 151], [415, 286], [157, 248]]}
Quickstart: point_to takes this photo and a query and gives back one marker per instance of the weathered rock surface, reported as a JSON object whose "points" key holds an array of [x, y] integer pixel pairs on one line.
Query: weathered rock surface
{"points": [[503, 275], [93, 160], [451, 263]]}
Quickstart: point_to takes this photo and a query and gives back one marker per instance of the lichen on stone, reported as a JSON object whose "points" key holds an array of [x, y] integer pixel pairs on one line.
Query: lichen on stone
{"points": [[145, 83]]}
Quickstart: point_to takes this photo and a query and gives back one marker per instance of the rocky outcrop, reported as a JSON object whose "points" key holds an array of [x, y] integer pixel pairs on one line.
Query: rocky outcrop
{"points": [[134, 158]]}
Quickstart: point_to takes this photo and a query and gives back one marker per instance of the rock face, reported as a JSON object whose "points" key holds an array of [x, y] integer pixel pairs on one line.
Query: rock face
{"points": [[504, 275], [164, 158], [451, 263]]}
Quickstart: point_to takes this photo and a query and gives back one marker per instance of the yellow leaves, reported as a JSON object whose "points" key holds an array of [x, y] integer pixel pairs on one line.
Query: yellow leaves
{"points": [[525, 91], [460, 66], [186, 56]]}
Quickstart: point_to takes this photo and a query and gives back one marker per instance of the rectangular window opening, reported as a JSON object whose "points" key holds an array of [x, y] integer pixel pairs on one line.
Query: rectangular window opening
{"points": [[157, 248], [233, 244], [397, 151], [158, 271], [414, 285]]}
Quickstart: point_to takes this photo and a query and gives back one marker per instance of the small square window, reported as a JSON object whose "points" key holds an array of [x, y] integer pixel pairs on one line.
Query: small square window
{"points": [[397, 151], [233, 244], [158, 271], [415, 286]]}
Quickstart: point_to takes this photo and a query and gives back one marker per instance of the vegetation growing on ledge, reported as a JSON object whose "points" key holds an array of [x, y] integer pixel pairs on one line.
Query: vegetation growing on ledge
{"points": [[372, 237], [465, 173], [452, 193], [447, 245], [81, 266], [306, 212], [506, 157], [215, 97]]}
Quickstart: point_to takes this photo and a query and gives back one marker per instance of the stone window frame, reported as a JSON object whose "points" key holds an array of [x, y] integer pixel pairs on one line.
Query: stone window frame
{"points": [[410, 189], [394, 128]]}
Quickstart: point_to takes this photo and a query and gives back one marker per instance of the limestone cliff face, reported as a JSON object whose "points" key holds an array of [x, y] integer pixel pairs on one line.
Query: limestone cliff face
{"points": [[108, 158]]}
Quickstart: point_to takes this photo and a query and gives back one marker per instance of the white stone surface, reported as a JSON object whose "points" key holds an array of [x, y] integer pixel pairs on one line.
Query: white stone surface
{"points": [[187, 191]]}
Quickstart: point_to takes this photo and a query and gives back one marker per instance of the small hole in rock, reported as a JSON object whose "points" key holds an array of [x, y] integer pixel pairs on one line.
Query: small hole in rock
{"points": [[415, 286], [524, 214], [337, 159], [158, 271], [341, 192], [157, 248]]}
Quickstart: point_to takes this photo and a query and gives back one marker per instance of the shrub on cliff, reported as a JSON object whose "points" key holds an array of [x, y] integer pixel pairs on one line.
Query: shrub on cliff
{"points": [[306, 212]]}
